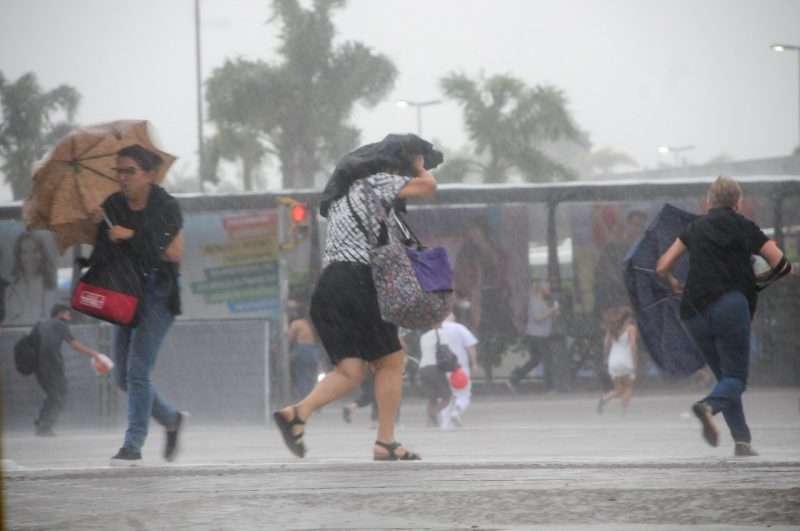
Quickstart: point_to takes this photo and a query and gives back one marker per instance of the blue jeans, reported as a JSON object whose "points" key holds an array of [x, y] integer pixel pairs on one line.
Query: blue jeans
{"points": [[306, 368], [135, 353], [722, 333]]}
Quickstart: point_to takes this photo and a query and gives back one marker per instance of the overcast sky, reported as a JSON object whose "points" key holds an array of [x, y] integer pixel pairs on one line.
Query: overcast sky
{"points": [[637, 73]]}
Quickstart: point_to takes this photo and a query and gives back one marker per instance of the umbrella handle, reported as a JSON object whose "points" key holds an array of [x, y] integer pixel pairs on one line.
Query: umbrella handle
{"points": [[105, 218], [102, 212]]}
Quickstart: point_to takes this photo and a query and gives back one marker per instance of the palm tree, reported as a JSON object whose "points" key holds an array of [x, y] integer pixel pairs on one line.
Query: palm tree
{"points": [[234, 93], [298, 110], [509, 122], [30, 126]]}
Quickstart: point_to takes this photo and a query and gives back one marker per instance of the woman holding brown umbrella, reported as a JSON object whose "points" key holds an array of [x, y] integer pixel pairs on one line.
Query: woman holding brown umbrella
{"points": [[146, 230]]}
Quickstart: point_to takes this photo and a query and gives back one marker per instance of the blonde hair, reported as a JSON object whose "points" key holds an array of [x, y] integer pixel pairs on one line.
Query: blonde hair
{"points": [[724, 192]]}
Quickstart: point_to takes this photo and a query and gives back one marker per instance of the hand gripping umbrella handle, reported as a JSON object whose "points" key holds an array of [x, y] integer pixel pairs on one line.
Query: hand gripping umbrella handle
{"points": [[105, 218], [102, 212]]}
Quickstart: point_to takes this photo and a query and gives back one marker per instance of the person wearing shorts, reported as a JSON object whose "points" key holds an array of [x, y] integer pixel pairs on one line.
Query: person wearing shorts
{"points": [[434, 381]]}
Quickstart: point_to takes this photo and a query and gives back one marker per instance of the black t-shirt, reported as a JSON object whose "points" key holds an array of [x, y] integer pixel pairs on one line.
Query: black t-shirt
{"points": [[154, 228], [721, 245]]}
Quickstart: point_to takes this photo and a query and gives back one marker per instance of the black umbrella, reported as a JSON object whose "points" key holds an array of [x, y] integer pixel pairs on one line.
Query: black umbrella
{"points": [[391, 153], [656, 308]]}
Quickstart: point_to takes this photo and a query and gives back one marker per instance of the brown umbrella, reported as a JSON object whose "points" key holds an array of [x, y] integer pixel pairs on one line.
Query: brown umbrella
{"points": [[78, 175]]}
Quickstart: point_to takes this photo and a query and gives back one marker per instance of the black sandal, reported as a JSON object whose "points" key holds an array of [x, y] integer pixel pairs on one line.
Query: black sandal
{"points": [[292, 441], [392, 456]]}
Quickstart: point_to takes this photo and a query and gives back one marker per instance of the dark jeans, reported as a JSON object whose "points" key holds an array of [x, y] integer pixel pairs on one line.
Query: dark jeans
{"points": [[540, 352], [54, 384], [722, 333], [305, 368]]}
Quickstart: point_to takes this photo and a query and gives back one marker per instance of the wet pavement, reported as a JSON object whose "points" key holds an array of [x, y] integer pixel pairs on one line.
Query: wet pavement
{"points": [[520, 462]]}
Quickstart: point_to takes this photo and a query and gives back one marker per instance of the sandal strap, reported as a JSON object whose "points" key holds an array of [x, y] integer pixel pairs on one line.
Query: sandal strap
{"points": [[296, 419], [390, 447]]}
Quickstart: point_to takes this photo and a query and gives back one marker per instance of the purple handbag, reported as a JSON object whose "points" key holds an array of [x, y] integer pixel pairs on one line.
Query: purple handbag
{"points": [[414, 283], [432, 268]]}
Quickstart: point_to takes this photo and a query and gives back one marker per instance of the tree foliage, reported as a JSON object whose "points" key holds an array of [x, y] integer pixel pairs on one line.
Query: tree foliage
{"points": [[33, 121], [296, 111], [509, 123]]}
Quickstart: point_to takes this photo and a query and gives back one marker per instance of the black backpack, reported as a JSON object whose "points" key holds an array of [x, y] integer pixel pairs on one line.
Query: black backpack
{"points": [[446, 361], [26, 352]]}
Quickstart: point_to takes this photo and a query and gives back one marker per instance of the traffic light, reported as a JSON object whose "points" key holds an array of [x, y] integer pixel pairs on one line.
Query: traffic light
{"points": [[298, 212], [297, 218]]}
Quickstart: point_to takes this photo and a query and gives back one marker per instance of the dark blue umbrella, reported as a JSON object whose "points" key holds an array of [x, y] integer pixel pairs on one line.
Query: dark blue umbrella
{"points": [[656, 308]]}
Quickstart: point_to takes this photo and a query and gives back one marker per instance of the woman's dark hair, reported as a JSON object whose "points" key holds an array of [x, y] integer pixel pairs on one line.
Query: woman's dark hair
{"points": [[47, 269], [145, 158], [58, 309]]}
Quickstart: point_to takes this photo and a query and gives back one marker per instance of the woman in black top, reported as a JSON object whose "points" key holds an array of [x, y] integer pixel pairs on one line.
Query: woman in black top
{"points": [[146, 233], [719, 300]]}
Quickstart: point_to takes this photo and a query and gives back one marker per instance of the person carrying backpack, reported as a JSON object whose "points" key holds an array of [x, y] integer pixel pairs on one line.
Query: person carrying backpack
{"points": [[433, 371], [50, 366]]}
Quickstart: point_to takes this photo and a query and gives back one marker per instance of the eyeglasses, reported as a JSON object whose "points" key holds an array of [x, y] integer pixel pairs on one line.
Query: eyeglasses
{"points": [[130, 170]]}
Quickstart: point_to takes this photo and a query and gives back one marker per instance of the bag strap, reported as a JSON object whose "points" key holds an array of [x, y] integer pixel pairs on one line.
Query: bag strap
{"points": [[409, 238], [380, 212], [357, 217], [393, 219]]}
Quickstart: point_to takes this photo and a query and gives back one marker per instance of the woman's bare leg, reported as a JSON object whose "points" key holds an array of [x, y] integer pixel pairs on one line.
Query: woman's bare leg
{"points": [[627, 392], [388, 391], [348, 375], [615, 392]]}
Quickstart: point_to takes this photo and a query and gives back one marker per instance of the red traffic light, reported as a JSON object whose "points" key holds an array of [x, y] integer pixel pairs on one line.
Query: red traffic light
{"points": [[298, 212]]}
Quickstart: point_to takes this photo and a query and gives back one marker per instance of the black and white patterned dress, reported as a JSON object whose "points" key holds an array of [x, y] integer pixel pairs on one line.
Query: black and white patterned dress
{"points": [[344, 306], [345, 241]]}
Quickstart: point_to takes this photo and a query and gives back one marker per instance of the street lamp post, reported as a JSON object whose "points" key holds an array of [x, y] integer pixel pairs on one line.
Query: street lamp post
{"points": [[199, 82], [792, 47], [676, 150], [418, 105]]}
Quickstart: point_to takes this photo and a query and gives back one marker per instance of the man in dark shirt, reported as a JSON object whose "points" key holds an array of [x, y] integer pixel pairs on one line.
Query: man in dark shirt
{"points": [[50, 370], [719, 300]]}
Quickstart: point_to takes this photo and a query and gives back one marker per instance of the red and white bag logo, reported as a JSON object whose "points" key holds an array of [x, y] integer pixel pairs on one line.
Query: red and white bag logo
{"points": [[92, 300]]}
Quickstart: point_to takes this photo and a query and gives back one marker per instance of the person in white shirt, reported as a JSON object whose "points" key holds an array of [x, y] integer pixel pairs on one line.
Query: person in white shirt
{"points": [[434, 381], [462, 342]]}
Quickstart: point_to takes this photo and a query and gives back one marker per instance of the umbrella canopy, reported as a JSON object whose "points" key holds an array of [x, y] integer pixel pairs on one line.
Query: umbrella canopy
{"points": [[655, 306], [78, 175]]}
